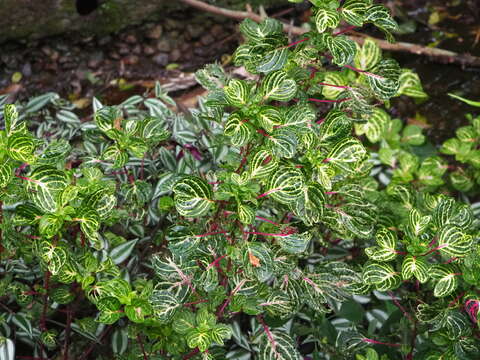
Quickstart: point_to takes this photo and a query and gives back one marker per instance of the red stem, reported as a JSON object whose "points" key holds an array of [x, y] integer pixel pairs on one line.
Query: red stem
{"points": [[266, 220], [402, 309], [343, 31], [191, 354], [371, 341], [139, 339]]}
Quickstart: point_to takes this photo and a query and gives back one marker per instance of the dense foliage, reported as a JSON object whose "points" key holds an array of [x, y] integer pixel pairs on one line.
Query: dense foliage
{"points": [[288, 217]]}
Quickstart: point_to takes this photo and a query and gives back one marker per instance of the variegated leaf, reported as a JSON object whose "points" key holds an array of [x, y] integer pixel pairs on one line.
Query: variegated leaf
{"points": [[273, 60], [353, 11], [342, 49], [237, 92], [310, 205], [335, 127], [10, 114], [257, 32], [326, 19], [294, 243], [268, 117], [53, 256], [165, 304], [417, 223], [380, 16], [192, 196], [282, 143], [89, 223], [106, 117], [6, 173], [238, 129], [347, 154], [375, 127], [118, 156], [45, 185], [21, 147], [246, 214], [384, 79], [415, 266], [446, 280], [410, 85], [278, 345], [453, 241], [277, 86], [382, 276], [333, 78], [262, 164], [368, 56], [286, 185]]}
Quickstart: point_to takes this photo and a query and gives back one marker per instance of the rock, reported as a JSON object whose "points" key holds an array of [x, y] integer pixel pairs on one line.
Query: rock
{"points": [[160, 59], [195, 31], [175, 55], [148, 50], [155, 32], [95, 60], [137, 49], [104, 40], [164, 45], [114, 55], [27, 69], [207, 39], [131, 39], [124, 50], [217, 31], [131, 60]]}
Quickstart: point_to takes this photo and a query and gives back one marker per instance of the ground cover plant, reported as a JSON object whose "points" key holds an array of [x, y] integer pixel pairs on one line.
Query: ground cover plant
{"points": [[288, 217]]}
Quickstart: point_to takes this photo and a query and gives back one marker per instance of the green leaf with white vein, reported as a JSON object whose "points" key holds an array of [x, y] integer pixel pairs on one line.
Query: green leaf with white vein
{"points": [[198, 338], [453, 241], [337, 126], [257, 32], [286, 185], [45, 185], [382, 276], [268, 117], [278, 345], [277, 86], [380, 16], [165, 304], [262, 164], [184, 322], [106, 116], [283, 143], [246, 214], [417, 267], [21, 147], [410, 85], [237, 92], [384, 79], [192, 196], [118, 156], [412, 135], [238, 130], [368, 56], [375, 127], [89, 223], [333, 78], [353, 11], [326, 19], [6, 173], [294, 243], [273, 60], [417, 223], [446, 280], [53, 256], [310, 205], [10, 114], [342, 48], [121, 252], [347, 154]]}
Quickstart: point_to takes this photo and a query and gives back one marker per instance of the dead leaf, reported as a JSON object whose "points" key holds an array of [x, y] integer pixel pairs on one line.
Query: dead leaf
{"points": [[253, 260]]}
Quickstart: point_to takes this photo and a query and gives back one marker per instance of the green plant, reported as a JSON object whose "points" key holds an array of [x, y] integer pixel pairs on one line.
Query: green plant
{"points": [[251, 229]]}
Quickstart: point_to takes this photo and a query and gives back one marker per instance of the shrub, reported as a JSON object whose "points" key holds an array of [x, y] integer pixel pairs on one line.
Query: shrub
{"points": [[252, 228]]}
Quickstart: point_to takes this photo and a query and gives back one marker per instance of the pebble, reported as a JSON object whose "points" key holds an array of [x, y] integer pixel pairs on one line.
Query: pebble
{"points": [[27, 69], [164, 45], [131, 39], [131, 60], [160, 59], [207, 39], [217, 31], [155, 32], [148, 50], [175, 55]]}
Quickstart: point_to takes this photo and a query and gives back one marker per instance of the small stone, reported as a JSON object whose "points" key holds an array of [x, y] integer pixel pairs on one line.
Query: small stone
{"points": [[95, 60], [124, 50], [195, 31], [171, 24], [155, 32], [114, 55], [207, 39], [131, 39], [160, 59], [164, 45], [131, 60], [104, 40], [175, 55], [148, 50], [137, 49], [27, 69], [217, 31], [46, 50]]}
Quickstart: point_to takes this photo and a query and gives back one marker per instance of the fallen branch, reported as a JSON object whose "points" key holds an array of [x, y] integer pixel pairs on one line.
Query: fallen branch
{"points": [[444, 56]]}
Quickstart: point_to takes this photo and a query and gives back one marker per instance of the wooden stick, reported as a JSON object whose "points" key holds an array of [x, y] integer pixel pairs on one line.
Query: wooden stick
{"points": [[444, 56]]}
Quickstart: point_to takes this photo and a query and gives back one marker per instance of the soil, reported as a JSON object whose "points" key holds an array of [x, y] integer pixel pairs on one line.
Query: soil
{"points": [[116, 66]]}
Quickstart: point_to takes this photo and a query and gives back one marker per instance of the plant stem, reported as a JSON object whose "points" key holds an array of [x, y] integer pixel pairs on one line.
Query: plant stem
{"points": [[139, 339]]}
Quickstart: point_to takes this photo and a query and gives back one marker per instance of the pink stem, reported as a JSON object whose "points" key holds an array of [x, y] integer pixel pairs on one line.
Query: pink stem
{"points": [[327, 101], [364, 72], [268, 193], [211, 233], [266, 234], [266, 220], [296, 42], [335, 86], [343, 31], [371, 341], [402, 309]]}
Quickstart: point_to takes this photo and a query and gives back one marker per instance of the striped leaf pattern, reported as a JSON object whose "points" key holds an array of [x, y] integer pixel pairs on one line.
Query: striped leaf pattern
{"points": [[410, 85], [380, 16], [277, 86], [106, 116], [268, 117], [375, 127], [417, 223], [238, 129], [21, 147], [295, 243], [53, 256], [273, 60], [45, 186], [353, 11], [278, 345], [286, 185], [246, 214], [335, 127], [164, 305], [347, 154], [333, 78], [453, 241], [385, 81], [257, 32], [310, 205], [382, 276], [342, 48], [283, 143], [326, 19], [415, 267], [10, 115], [6, 173], [192, 196], [368, 56], [262, 164], [446, 280], [237, 92]]}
